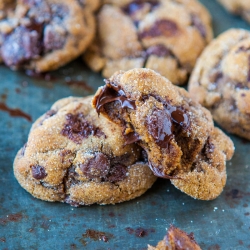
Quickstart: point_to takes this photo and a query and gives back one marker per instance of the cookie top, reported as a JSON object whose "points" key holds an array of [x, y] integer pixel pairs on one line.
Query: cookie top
{"points": [[176, 239], [221, 81], [164, 35], [237, 7], [75, 157], [173, 129], [44, 35]]}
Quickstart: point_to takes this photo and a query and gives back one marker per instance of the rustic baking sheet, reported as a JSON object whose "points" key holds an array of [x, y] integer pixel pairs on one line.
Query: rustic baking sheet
{"points": [[29, 223]]}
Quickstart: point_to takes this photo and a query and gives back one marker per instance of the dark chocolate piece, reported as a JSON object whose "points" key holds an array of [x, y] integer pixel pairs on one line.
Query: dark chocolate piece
{"points": [[136, 5], [164, 27], [96, 167], [117, 173], [159, 50], [196, 22], [38, 172], [110, 93], [131, 138], [77, 128]]}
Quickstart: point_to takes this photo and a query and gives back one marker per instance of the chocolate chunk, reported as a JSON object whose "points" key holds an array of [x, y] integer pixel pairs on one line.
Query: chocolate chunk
{"points": [[50, 113], [197, 23], [21, 45], [178, 239], [208, 148], [160, 127], [117, 173], [164, 27], [161, 123], [96, 167], [136, 5], [159, 50], [77, 128], [53, 40], [131, 138], [110, 93], [38, 172]]}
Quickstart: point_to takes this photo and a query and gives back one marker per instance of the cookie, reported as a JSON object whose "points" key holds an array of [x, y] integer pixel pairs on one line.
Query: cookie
{"points": [[237, 7], [7, 8], [176, 132], [45, 35], [176, 239], [75, 157], [221, 81], [164, 35]]}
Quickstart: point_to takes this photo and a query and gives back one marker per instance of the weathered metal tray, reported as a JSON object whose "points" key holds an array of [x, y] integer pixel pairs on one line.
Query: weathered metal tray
{"points": [[29, 223]]}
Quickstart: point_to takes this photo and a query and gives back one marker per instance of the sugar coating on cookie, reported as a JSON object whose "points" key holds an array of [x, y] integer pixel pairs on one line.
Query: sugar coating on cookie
{"points": [[164, 35], [176, 132], [75, 157], [176, 239], [237, 7], [221, 81], [45, 35]]}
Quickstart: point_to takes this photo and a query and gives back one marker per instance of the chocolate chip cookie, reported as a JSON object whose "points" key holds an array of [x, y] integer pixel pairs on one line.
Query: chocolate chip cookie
{"points": [[176, 239], [164, 35], [176, 132], [237, 7], [45, 35], [221, 81], [75, 157], [7, 8]]}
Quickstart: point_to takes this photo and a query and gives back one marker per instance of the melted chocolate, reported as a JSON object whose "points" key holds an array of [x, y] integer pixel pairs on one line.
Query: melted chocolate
{"points": [[161, 123], [196, 22], [110, 93], [77, 128], [96, 167], [15, 112], [164, 27], [38, 172]]}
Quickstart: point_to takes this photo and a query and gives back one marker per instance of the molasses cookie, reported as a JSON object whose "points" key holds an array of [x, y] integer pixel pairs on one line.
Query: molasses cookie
{"points": [[176, 239], [177, 133], [45, 35], [75, 157], [221, 81], [164, 35], [237, 7]]}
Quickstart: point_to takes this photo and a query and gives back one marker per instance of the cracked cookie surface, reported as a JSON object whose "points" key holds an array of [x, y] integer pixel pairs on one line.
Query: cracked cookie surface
{"points": [[75, 157], [237, 7], [221, 81], [163, 35], [176, 239], [176, 132], [45, 35]]}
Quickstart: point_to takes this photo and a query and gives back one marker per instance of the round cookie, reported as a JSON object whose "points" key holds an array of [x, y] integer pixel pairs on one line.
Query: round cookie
{"points": [[164, 35], [176, 132], [7, 8], [75, 157], [45, 35], [221, 81], [176, 239], [238, 7]]}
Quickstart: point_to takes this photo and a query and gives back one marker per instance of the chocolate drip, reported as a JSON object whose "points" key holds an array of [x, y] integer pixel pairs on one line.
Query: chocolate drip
{"points": [[110, 93], [159, 50]]}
